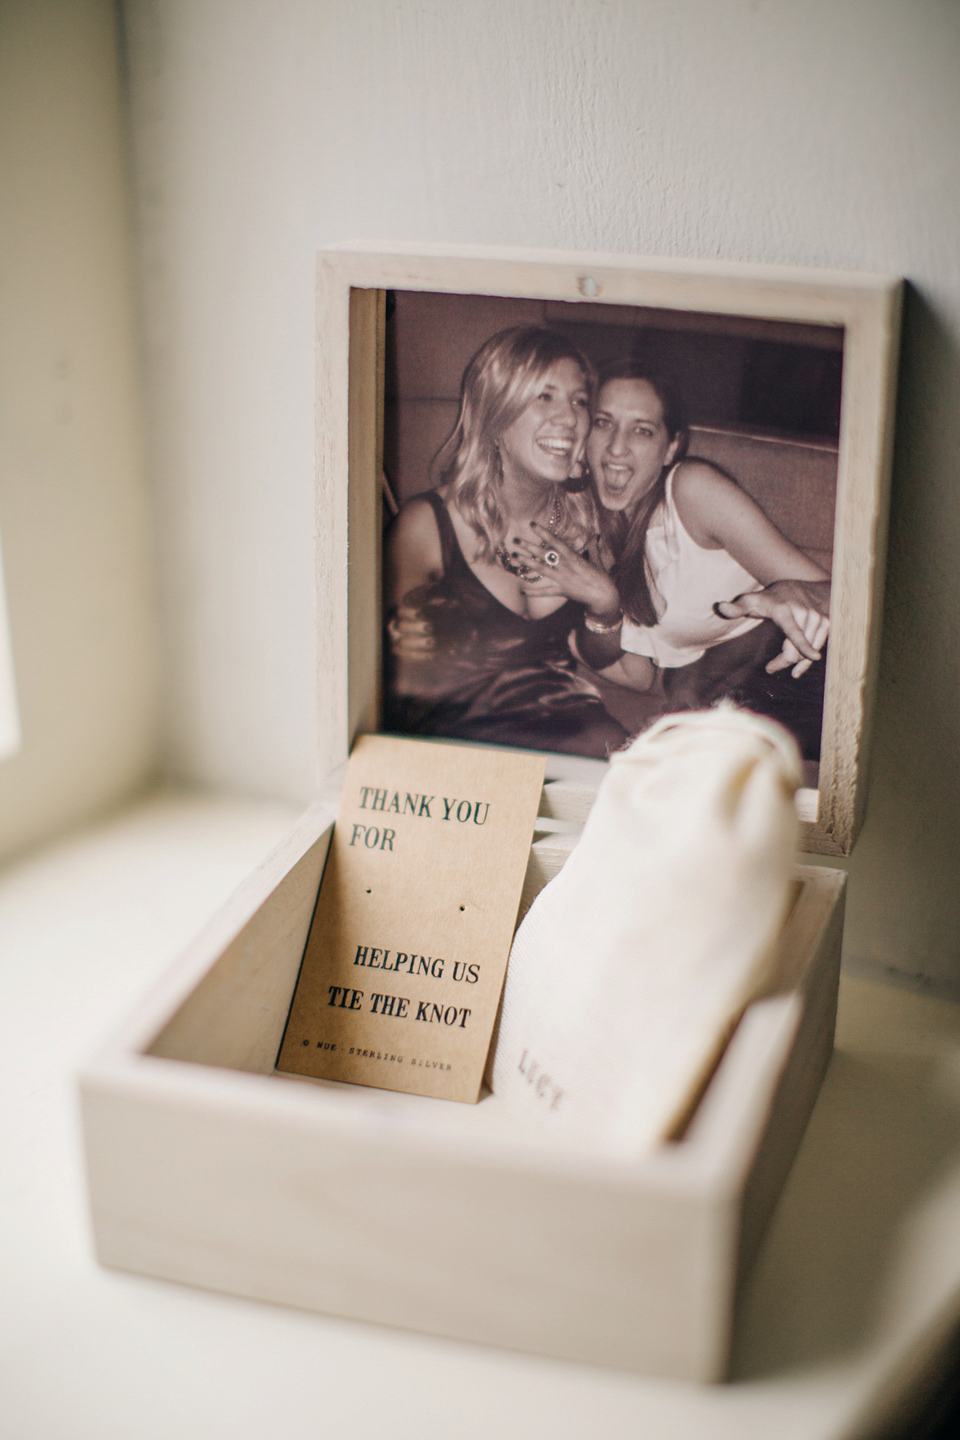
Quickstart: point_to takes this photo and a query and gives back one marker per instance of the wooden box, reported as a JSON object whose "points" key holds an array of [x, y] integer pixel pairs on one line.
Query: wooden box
{"points": [[207, 1167]]}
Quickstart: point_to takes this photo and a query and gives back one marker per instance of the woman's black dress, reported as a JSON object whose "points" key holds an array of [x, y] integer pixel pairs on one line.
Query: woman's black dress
{"points": [[493, 675]]}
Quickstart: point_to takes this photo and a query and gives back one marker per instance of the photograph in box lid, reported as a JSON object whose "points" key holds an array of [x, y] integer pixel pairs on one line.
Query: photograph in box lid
{"points": [[606, 513]]}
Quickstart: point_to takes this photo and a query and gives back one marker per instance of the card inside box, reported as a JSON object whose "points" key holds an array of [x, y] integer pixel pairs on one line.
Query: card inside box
{"points": [[207, 1167]]}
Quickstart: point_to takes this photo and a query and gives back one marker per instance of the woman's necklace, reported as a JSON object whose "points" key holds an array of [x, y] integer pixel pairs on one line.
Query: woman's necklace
{"points": [[553, 520]]}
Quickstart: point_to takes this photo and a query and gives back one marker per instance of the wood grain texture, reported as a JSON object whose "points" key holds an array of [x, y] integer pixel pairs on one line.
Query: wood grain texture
{"points": [[811, 984], [865, 307], [364, 523], [272, 1187], [236, 1015], [228, 953], [332, 531]]}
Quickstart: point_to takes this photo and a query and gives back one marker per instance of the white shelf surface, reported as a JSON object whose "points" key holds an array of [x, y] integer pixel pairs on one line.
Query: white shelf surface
{"points": [[857, 1286]]}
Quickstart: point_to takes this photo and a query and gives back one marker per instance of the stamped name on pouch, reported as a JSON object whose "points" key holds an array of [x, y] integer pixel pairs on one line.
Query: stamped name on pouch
{"points": [[408, 946]]}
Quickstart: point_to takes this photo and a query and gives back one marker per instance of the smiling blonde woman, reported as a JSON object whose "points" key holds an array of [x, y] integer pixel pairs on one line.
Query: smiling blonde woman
{"points": [[473, 649]]}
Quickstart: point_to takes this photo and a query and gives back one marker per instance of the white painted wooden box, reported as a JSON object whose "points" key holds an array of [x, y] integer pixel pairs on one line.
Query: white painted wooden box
{"points": [[206, 1166]]}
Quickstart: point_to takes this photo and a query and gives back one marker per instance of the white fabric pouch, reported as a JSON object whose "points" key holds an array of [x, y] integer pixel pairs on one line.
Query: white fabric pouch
{"points": [[634, 964]]}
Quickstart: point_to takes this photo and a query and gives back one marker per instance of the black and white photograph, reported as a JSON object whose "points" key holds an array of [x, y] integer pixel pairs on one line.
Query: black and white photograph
{"points": [[598, 514]]}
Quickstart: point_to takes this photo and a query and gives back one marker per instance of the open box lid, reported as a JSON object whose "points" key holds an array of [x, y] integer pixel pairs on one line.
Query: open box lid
{"points": [[749, 322]]}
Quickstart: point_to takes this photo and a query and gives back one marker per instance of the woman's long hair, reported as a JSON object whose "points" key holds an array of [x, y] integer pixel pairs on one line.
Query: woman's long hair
{"points": [[498, 384], [626, 543]]}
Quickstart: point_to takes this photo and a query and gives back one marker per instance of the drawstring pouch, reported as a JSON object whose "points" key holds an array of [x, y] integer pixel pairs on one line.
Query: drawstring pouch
{"points": [[635, 962]]}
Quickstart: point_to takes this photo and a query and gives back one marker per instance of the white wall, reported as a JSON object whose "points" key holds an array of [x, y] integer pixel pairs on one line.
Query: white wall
{"points": [[797, 131], [73, 502]]}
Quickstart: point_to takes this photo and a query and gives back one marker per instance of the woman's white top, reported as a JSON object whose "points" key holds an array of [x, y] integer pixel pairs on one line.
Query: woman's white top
{"points": [[686, 581]]}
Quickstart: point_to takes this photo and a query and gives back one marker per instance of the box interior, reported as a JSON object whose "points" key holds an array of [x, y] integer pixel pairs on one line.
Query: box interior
{"points": [[234, 1015]]}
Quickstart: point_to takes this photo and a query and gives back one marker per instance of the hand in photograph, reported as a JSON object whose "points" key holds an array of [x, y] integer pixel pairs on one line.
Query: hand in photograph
{"points": [[411, 634], [554, 568], [801, 608]]}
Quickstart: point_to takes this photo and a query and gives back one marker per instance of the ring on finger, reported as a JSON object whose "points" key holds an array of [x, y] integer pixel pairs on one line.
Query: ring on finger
{"points": [[551, 558]]}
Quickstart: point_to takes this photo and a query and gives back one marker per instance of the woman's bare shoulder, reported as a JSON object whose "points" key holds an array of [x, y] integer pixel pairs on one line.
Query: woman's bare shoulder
{"points": [[417, 517], [706, 500], [415, 529], [696, 478]]}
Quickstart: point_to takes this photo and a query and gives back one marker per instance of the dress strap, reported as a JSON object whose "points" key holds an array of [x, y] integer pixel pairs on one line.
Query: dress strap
{"points": [[449, 545]]}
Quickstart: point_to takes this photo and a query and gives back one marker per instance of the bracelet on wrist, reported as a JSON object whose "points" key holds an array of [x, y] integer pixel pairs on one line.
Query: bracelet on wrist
{"points": [[601, 627]]}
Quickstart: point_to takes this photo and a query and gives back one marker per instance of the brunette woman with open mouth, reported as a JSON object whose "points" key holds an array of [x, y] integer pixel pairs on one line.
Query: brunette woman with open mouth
{"points": [[715, 600]]}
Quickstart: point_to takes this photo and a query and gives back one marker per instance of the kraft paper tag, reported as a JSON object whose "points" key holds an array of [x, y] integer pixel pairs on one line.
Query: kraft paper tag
{"points": [[405, 960]]}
